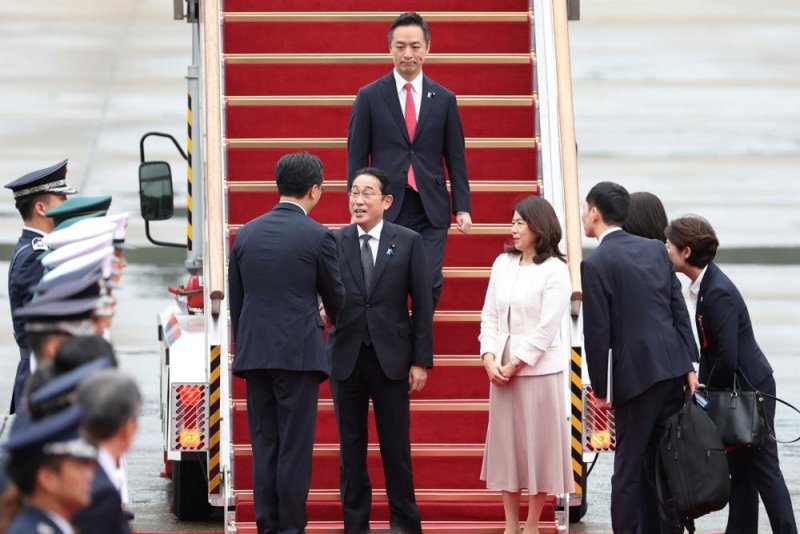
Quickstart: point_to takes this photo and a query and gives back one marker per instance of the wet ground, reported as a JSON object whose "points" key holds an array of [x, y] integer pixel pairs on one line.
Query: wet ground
{"points": [[696, 102]]}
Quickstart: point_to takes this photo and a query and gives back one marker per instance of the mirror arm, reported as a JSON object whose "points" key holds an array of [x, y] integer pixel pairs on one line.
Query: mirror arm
{"points": [[157, 242], [160, 134]]}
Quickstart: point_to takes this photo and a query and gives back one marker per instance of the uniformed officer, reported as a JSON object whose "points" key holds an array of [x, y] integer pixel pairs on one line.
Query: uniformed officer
{"points": [[53, 469], [34, 194]]}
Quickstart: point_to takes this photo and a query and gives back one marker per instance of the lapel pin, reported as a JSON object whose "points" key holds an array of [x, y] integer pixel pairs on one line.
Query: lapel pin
{"points": [[431, 94], [390, 250]]}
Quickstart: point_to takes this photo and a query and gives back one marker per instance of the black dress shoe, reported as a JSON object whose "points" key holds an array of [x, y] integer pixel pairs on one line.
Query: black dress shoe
{"points": [[128, 515]]}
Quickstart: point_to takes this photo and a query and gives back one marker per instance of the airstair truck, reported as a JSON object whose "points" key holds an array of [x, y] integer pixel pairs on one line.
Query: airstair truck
{"points": [[270, 77]]}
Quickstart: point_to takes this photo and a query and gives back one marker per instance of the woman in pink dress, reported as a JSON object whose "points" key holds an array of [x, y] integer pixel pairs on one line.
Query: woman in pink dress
{"points": [[527, 442]]}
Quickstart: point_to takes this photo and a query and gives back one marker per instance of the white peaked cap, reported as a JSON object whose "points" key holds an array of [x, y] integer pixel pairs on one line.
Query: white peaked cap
{"points": [[101, 257], [79, 231], [78, 248]]}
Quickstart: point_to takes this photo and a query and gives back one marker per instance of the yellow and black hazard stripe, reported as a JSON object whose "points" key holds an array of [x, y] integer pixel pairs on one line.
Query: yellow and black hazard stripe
{"points": [[189, 231], [214, 415], [576, 402]]}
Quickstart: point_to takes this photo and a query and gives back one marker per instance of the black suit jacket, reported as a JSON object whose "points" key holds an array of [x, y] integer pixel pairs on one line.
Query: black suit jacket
{"points": [[280, 263], [31, 520], [401, 272], [725, 333], [104, 514], [632, 304], [377, 136]]}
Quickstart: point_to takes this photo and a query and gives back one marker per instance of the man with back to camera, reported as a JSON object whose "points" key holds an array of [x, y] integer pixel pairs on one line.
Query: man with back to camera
{"points": [[633, 306], [408, 125], [378, 352], [280, 263], [34, 194]]}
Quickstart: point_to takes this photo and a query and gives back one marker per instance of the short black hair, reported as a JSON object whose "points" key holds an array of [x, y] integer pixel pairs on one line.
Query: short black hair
{"points": [[380, 174], [410, 18], [78, 350], [646, 216], [25, 205], [296, 173], [696, 233], [611, 200]]}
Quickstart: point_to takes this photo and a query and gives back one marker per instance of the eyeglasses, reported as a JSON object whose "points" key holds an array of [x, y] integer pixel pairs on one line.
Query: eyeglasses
{"points": [[366, 195]]}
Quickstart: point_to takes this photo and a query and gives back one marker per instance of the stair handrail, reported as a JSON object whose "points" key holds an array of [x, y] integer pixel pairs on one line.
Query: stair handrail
{"points": [[212, 103], [569, 152]]}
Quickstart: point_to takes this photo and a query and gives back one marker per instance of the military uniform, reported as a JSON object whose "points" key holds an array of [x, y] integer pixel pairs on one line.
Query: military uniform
{"points": [[24, 271], [33, 521]]}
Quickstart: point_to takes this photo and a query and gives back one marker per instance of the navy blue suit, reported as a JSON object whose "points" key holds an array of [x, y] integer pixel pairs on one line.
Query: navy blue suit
{"points": [[377, 136], [24, 272], [633, 305], [281, 262], [31, 520], [372, 348], [104, 514], [727, 343]]}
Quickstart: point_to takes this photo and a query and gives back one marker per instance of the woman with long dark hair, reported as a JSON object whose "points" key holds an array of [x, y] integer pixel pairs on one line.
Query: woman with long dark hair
{"points": [[527, 441]]}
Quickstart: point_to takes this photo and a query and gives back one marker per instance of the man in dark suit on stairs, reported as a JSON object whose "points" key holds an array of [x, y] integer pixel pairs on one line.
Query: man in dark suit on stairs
{"points": [[281, 263], [408, 125], [637, 336], [378, 352]]}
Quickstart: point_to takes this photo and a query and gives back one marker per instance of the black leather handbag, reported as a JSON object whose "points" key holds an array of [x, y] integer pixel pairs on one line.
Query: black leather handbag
{"points": [[739, 414]]}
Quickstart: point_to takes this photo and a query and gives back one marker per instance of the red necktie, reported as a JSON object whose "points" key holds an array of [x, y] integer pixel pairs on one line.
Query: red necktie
{"points": [[411, 126]]}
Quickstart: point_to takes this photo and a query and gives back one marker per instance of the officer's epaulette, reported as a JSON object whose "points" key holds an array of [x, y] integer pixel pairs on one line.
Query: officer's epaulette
{"points": [[38, 244]]}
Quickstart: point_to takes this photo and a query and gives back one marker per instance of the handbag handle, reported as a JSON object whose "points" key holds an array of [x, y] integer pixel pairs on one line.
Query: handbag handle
{"points": [[760, 398]]}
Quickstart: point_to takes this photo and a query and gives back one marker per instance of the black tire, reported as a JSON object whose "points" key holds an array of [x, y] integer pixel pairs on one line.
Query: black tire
{"points": [[190, 491], [577, 512]]}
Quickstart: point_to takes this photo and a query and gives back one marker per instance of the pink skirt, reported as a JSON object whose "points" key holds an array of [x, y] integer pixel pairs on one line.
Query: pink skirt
{"points": [[527, 442]]}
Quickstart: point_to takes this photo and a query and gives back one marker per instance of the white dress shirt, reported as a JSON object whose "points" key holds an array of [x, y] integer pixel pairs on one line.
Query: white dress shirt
{"points": [[416, 91], [608, 231], [375, 233]]}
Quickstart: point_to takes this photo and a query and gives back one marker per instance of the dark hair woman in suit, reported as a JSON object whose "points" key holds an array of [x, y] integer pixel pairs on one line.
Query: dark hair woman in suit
{"points": [[646, 216], [728, 346]]}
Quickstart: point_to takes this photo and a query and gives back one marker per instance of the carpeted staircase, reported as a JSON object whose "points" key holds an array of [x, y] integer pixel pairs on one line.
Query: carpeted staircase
{"points": [[289, 83]]}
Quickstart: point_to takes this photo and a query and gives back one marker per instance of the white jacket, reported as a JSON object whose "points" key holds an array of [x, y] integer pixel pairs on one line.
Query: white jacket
{"points": [[547, 292]]}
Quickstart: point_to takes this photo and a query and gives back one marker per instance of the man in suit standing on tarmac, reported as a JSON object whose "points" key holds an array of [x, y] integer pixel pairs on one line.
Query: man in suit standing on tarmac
{"points": [[378, 352], [407, 124], [281, 263], [633, 307]]}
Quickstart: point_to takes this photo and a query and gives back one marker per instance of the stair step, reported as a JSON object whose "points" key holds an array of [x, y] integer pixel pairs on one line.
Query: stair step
{"points": [[458, 422], [245, 76], [333, 208], [467, 505], [511, 164], [397, 6], [315, 121], [440, 465], [453, 377], [366, 33], [379, 527]]}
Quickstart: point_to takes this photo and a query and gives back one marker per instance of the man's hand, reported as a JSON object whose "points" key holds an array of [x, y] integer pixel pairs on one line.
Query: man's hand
{"points": [[493, 370], [603, 404], [463, 222], [691, 381], [417, 376]]}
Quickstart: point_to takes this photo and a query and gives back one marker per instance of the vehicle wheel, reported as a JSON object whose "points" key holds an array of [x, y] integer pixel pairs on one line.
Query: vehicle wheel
{"points": [[190, 491], [577, 512]]}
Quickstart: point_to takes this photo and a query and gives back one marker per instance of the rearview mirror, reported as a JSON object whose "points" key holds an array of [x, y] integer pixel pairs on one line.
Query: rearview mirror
{"points": [[155, 191]]}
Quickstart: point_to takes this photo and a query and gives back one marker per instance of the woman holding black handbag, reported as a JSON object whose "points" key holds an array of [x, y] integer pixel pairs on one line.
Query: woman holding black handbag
{"points": [[728, 347]]}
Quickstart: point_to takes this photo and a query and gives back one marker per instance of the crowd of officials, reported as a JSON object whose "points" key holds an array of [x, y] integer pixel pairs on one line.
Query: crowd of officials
{"points": [[63, 464], [373, 286]]}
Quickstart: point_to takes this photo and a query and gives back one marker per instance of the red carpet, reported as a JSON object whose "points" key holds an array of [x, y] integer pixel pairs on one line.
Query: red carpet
{"points": [[449, 418]]}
